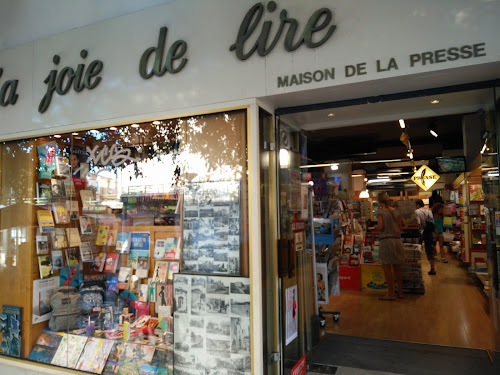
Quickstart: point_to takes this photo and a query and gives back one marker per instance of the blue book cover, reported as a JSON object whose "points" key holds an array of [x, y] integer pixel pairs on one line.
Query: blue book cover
{"points": [[112, 282], [47, 159], [123, 242], [42, 353], [10, 327], [139, 241]]}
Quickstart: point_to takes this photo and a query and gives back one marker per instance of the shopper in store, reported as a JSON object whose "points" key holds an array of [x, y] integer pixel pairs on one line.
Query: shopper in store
{"points": [[426, 223], [437, 212], [391, 252]]}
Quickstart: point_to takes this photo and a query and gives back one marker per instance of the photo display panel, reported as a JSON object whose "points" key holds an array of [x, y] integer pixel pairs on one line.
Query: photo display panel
{"points": [[211, 228], [211, 324]]}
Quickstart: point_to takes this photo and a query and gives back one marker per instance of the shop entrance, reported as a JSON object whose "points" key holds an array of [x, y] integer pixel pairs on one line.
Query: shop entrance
{"points": [[351, 154]]}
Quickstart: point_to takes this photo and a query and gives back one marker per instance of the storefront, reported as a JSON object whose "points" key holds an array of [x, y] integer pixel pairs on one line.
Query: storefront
{"points": [[141, 165]]}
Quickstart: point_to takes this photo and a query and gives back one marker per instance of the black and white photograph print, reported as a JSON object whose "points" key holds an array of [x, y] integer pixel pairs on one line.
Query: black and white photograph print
{"points": [[197, 323], [240, 336], [234, 227], [180, 298], [242, 286], [240, 306], [220, 267], [234, 265], [218, 327], [206, 265], [181, 328], [197, 339], [189, 266], [197, 301], [218, 285], [219, 347], [183, 359], [191, 210], [217, 305]]}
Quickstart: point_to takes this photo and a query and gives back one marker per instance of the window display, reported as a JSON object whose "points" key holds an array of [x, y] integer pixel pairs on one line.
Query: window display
{"points": [[109, 218]]}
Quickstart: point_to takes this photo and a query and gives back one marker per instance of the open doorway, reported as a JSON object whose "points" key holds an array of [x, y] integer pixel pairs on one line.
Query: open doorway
{"points": [[352, 154]]}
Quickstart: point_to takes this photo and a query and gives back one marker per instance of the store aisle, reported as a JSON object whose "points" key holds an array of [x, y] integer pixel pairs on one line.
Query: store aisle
{"points": [[452, 312]]}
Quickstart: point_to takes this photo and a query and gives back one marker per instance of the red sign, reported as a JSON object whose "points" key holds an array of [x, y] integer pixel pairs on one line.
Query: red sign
{"points": [[307, 176], [298, 226], [350, 277], [300, 367]]}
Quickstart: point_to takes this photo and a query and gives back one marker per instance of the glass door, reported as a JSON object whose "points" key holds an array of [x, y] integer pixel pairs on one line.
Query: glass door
{"points": [[296, 264], [270, 281]]}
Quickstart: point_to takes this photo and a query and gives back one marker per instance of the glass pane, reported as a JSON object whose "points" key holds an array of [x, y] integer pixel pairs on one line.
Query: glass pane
{"points": [[97, 224], [269, 240]]}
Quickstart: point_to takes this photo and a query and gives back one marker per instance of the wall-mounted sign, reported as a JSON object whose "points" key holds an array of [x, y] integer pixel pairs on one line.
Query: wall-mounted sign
{"points": [[8, 93], [425, 177]]}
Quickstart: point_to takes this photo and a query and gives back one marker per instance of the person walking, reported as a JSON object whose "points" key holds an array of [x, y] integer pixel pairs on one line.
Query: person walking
{"points": [[391, 252], [426, 224], [437, 212]]}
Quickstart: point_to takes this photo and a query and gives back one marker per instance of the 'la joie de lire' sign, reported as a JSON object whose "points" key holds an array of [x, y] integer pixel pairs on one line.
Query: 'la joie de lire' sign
{"points": [[158, 60]]}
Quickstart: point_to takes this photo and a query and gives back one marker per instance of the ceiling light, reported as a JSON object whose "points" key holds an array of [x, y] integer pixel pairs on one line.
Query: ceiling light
{"points": [[493, 174], [94, 131], [284, 158], [74, 133], [57, 136], [156, 122], [435, 101], [334, 167], [317, 165], [433, 132], [365, 179], [78, 137], [356, 175], [380, 179], [135, 125], [483, 149], [331, 114], [112, 128], [379, 161], [402, 123], [364, 194], [410, 155]]}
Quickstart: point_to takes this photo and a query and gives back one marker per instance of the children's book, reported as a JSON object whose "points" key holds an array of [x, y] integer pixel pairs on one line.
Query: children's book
{"points": [[133, 285], [159, 252], [123, 242], [42, 245], [43, 192], [70, 276], [85, 225], [117, 352], [62, 166], [57, 187], [172, 248], [10, 324], [111, 263], [99, 262], [73, 236], [142, 267], [112, 283], [72, 257], [111, 240], [473, 209], [94, 355], [173, 267], [86, 252], [72, 208], [87, 197], [143, 292], [45, 266], [161, 272], [58, 237], [102, 235], [161, 327], [476, 223], [124, 277], [135, 356], [151, 290], [57, 260], [46, 159], [69, 350], [45, 221]]}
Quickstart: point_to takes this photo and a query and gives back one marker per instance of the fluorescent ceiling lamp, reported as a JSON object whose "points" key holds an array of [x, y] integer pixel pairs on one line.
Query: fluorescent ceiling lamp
{"points": [[156, 122], [392, 173], [433, 132], [435, 101], [112, 128], [334, 167], [483, 149], [318, 165], [379, 161], [377, 180], [402, 123], [135, 125]]}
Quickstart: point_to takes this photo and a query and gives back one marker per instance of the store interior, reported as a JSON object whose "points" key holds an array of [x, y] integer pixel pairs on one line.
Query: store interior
{"points": [[357, 150]]}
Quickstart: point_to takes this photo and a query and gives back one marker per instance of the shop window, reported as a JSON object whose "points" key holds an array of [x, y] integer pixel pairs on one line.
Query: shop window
{"points": [[123, 247]]}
